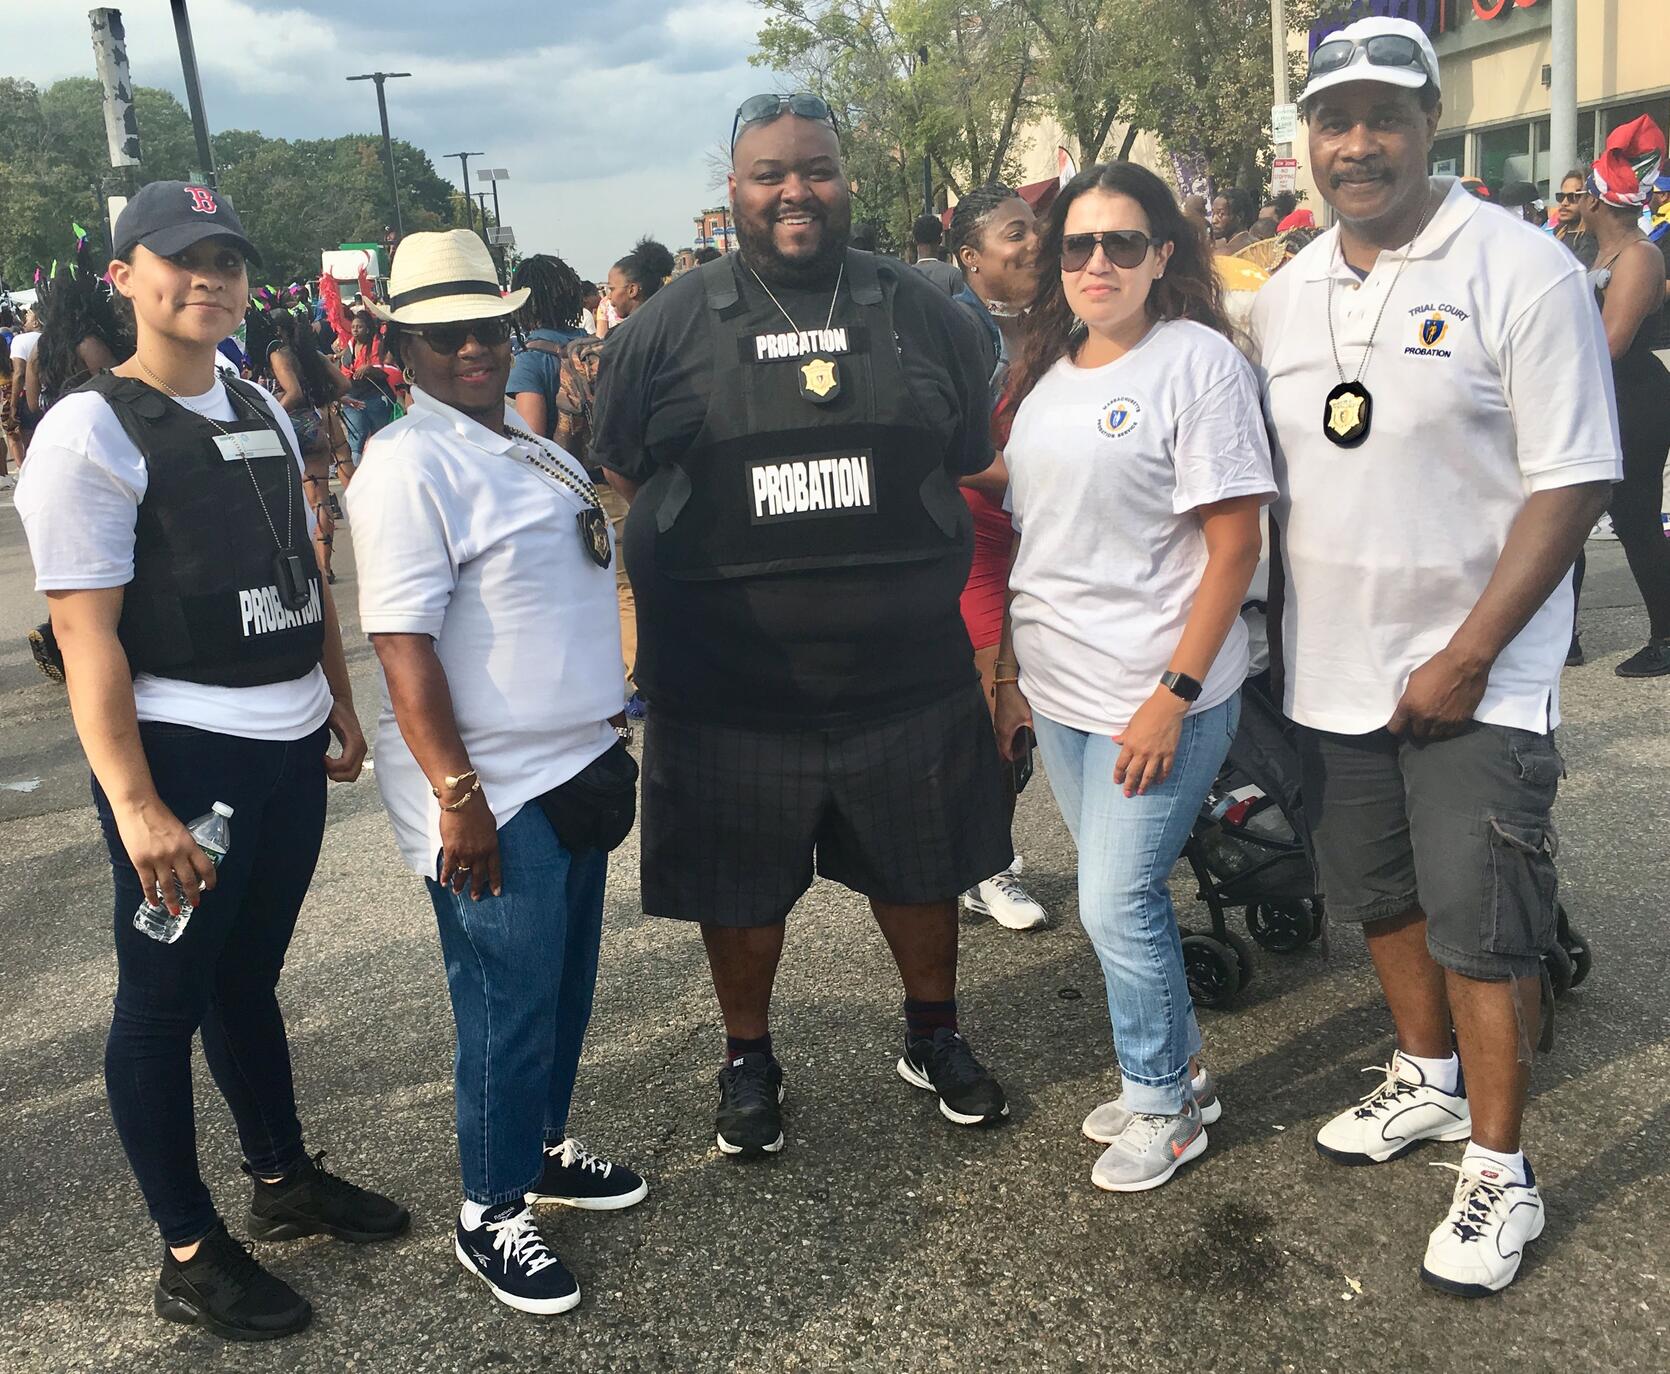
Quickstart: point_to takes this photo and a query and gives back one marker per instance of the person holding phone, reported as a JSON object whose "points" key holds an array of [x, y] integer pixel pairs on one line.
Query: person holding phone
{"points": [[1137, 467], [164, 509]]}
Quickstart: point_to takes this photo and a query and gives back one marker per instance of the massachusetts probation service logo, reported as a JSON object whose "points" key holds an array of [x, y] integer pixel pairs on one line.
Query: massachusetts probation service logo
{"points": [[1119, 417], [1434, 327]]}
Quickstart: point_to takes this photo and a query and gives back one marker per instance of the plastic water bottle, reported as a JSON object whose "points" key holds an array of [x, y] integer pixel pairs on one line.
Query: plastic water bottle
{"points": [[214, 838]]}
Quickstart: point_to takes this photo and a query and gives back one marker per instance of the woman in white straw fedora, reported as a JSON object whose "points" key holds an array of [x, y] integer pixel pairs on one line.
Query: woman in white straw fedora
{"points": [[487, 587]]}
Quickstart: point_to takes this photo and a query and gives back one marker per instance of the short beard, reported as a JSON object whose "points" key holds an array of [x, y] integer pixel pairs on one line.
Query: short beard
{"points": [[759, 252]]}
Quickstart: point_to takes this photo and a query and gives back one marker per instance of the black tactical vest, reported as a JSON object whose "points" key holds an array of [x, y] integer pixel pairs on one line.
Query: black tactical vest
{"points": [[792, 471], [204, 604]]}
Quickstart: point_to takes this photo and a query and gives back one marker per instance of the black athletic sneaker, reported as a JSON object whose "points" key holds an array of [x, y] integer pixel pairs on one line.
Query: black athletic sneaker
{"points": [[223, 1289], [750, 1116], [310, 1200], [968, 1095], [1574, 655], [507, 1253], [575, 1177], [1652, 661]]}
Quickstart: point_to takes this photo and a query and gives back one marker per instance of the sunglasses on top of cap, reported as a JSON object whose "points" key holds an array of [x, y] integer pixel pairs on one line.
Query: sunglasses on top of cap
{"points": [[761, 107], [1122, 247], [1381, 50], [447, 339]]}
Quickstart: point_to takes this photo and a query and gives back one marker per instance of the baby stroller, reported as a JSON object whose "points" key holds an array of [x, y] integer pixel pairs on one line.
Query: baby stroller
{"points": [[1250, 848]]}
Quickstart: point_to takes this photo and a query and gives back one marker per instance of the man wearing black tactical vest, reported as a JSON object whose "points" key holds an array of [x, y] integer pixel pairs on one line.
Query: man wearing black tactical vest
{"points": [[791, 422], [166, 521]]}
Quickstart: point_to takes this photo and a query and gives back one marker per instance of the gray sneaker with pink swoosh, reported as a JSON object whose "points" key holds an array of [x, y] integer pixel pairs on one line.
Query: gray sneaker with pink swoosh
{"points": [[1150, 1150]]}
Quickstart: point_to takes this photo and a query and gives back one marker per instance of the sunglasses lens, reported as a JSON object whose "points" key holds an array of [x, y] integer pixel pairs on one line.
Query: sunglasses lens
{"points": [[809, 106], [1392, 50], [756, 107], [1076, 250], [491, 333], [1330, 57], [446, 338], [1126, 247]]}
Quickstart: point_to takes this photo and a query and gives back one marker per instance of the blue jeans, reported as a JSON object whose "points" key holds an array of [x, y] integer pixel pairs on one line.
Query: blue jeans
{"points": [[221, 977], [521, 968], [362, 422], [1127, 848]]}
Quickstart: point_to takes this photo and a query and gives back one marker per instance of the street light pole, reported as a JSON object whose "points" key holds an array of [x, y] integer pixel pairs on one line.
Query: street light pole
{"points": [[194, 90], [1562, 91], [469, 205], [388, 143]]}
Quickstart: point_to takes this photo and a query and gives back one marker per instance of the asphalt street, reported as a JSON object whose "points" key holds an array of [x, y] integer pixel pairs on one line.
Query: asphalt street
{"points": [[882, 1238]]}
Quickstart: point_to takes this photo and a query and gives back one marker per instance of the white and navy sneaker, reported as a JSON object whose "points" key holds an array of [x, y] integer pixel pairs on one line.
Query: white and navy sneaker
{"points": [[507, 1253], [1396, 1117], [1108, 1122], [575, 1177], [1008, 903], [1493, 1217]]}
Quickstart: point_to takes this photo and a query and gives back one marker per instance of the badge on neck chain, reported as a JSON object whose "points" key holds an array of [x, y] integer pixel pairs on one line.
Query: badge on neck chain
{"points": [[594, 535], [1347, 413], [820, 379]]}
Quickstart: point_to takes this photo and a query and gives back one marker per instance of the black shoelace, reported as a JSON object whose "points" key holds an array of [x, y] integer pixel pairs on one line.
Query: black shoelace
{"points": [[749, 1086], [952, 1062]]}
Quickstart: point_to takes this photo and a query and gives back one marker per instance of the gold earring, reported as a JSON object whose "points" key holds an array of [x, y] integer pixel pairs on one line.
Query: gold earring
{"points": [[409, 375]]}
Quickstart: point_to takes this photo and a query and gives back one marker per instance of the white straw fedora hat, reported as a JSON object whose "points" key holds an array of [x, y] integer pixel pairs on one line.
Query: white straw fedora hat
{"points": [[442, 278]]}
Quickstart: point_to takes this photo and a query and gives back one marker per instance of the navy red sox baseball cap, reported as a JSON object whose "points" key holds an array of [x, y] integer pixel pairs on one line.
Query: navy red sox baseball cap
{"points": [[169, 216]]}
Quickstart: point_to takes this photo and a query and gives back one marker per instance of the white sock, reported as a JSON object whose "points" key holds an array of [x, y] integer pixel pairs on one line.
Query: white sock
{"points": [[1199, 1080], [1443, 1074], [1513, 1164], [471, 1214]]}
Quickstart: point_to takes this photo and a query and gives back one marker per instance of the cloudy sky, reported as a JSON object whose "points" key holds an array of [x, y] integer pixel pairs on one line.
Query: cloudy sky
{"points": [[601, 110]]}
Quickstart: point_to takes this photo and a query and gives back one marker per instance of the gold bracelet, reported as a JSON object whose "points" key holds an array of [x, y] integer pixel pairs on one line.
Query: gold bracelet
{"points": [[459, 804], [1000, 663], [453, 782], [1004, 681]]}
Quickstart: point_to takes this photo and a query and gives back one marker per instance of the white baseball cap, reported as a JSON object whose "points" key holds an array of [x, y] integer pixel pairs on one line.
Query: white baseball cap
{"points": [[1357, 61]]}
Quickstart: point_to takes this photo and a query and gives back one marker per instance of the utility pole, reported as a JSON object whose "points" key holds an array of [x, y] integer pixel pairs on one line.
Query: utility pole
{"points": [[1562, 91], [194, 90], [388, 143], [927, 159], [469, 205]]}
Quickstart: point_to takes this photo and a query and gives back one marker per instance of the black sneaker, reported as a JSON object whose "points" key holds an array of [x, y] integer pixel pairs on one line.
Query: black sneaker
{"points": [[750, 1116], [1574, 655], [575, 1177], [1652, 661], [310, 1200], [968, 1095], [507, 1253], [222, 1288]]}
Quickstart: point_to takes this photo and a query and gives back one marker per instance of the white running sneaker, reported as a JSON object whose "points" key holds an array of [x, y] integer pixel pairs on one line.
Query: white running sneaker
{"points": [[1004, 899], [1396, 1117], [1603, 529], [1493, 1217]]}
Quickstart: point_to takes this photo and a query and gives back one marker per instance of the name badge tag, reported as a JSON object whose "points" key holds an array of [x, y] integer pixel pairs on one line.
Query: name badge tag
{"points": [[253, 443]]}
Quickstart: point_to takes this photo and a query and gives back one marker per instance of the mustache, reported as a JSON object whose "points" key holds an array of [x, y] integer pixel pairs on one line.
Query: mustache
{"points": [[1367, 173]]}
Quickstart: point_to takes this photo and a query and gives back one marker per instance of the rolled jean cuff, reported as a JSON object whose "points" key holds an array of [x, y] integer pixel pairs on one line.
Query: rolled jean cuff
{"points": [[494, 1199], [1167, 1098]]}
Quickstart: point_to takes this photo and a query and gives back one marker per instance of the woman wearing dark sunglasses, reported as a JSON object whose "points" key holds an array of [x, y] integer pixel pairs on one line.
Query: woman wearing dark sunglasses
{"points": [[486, 587], [1137, 466]]}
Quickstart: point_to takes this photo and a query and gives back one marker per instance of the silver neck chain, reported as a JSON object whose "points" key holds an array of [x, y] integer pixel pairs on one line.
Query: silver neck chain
{"points": [[289, 487], [790, 318], [1368, 348]]}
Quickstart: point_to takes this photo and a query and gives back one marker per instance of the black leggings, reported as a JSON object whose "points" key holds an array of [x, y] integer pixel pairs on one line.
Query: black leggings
{"points": [[1638, 500]]}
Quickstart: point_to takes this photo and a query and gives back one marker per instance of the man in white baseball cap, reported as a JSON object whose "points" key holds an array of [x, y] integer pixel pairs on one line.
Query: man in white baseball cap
{"points": [[1440, 404]]}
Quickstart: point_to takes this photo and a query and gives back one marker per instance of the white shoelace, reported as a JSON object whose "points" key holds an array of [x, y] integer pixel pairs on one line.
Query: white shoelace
{"points": [[1476, 1204], [1388, 1091], [572, 1153], [1010, 886], [520, 1240]]}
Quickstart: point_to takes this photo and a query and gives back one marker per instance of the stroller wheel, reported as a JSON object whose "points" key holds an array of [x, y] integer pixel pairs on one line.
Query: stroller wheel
{"points": [[1213, 971], [1283, 927], [1243, 958], [1560, 969], [1575, 944]]}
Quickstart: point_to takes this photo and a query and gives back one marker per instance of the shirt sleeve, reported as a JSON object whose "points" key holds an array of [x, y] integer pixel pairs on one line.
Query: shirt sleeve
{"points": [[1220, 449], [527, 375], [403, 553], [1557, 376], [620, 411], [79, 519]]}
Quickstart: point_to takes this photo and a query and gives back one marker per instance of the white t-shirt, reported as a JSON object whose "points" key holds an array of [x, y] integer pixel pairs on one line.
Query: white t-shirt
{"points": [[1107, 466], [1490, 381], [457, 536], [79, 497], [24, 345]]}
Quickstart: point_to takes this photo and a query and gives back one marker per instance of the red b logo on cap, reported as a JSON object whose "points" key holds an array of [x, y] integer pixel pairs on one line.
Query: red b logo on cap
{"points": [[202, 199]]}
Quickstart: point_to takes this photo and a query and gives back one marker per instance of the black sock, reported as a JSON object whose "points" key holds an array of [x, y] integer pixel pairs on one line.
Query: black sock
{"points": [[922, 1019], [736, 1046]]}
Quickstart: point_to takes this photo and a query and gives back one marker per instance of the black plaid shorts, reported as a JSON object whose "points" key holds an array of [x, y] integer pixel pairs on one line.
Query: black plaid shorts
{"points": [[908, 809]]}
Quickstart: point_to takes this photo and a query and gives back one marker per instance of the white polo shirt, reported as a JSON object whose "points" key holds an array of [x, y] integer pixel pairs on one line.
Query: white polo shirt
{"points": [[1490, 381], [457, 536]]}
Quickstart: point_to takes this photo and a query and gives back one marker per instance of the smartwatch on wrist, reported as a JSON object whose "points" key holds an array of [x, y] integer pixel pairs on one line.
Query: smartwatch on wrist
{"points": [[1182, 685]]}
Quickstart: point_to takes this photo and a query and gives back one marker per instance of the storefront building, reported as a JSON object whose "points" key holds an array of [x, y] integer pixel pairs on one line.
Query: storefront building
{"points": [[715, 230]]}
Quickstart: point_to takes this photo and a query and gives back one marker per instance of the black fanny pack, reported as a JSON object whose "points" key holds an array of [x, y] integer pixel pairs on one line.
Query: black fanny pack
{"points": [[596, 807]]}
